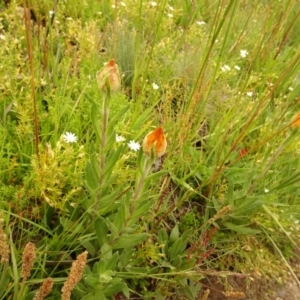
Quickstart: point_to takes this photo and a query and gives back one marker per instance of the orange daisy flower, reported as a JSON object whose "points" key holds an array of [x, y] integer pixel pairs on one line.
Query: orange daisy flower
{"points": [[109, 74], [157, 140]]}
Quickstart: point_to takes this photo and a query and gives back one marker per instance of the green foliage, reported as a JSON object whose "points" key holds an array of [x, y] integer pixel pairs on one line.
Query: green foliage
{"points": [[219, 77]]}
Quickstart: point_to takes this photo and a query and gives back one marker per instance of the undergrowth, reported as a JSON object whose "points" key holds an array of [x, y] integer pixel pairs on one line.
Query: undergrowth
{"points": [[85, 85]]}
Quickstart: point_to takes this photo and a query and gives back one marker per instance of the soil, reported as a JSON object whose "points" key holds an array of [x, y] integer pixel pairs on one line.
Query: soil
{"points": [[246, 288]]}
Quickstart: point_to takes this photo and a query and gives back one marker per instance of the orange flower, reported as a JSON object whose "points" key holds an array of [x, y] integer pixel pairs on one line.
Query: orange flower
{"points": [[108, 78], [297, 121], [157, 140]]}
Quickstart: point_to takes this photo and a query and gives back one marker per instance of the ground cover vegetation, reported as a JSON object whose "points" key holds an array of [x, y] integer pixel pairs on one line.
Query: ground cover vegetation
{"points": [[146, 145]]}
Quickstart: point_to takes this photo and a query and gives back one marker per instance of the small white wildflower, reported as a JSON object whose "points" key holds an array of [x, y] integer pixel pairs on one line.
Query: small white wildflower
{"points": [[123, 4], [237, 67], [134, 146], [69, 137], [152, 3], [266, 190], [225, 68], [170, 7], [120, 139], [155, 86], [51, 13], [170, 15], [200, 23], [290, 89], [244, 53], [249, 94], [2, 37]]}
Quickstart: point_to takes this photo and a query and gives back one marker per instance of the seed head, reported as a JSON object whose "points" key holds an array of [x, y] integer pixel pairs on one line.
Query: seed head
{"points": [[4, 248], [74, 276], [44, 290], [27, 261]]}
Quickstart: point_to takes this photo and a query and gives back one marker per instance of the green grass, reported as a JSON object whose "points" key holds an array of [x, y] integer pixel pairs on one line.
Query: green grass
{"points": [[220, 77]]}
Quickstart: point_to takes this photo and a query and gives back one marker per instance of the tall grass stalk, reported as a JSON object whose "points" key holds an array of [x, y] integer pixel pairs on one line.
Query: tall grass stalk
{"points": [[27, 18]]}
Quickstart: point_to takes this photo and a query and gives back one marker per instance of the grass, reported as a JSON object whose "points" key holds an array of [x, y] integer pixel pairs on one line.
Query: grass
{"points": [[221, 79]]}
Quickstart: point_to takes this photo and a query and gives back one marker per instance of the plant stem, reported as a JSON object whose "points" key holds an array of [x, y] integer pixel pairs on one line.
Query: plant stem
{"points": [[33, 92], [21, 290], [145, 171], [105, 114]]}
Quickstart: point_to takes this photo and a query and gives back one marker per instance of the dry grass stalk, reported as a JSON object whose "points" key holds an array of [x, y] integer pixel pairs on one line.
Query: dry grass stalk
{"points": [[74, 276], [205, 294], [220, 214], [4, 248], [44, 290], [234, 295], [27, 261]]}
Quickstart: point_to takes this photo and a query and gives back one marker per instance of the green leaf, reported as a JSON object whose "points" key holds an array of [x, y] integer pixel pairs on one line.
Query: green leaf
{"points": [[106, 251], [177, 262], [101, 228], [247, 207], [95, 120], [162, 236], [125, 257], [114, 288], [91, 179], [111, 264], [174, 233], [241, 229], [92, 297], [120, 217], [140, 211], [89, 247], [128, 241], [175, 249]]}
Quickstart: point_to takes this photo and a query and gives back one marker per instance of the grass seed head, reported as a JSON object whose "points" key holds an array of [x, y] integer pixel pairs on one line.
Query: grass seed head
{"points": [[27, 261], [74, 276]]}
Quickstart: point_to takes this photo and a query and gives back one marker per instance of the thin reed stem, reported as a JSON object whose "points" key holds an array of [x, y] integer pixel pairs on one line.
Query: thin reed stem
{"points": [[32, 78]]}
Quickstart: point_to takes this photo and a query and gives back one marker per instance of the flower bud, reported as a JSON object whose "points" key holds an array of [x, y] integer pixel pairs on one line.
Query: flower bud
{"points": [[156, 140], [108, 78]]}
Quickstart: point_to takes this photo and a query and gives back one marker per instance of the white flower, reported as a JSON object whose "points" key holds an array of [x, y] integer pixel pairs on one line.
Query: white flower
{"points": [[171, 8], [51, 13], [119, 138], [200, 23], [225, 68], [2, 37], [134, 146], [243, 53], [155, 86], [170, 15], [69, 137], [291, 89], [266, 190], [237, 67], [249, 94], [123, 4], [152, 3]]}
